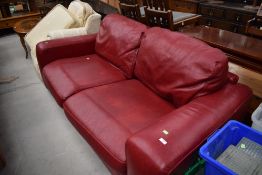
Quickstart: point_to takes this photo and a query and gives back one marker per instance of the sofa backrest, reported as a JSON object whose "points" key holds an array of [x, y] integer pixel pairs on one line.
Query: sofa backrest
{"points": [[118, 40], [58, 18], [81, 11], [179, 67]]}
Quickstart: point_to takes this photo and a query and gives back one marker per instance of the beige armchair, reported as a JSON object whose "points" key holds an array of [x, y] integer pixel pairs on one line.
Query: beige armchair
{"points": [[91, 26], [78, 19]]}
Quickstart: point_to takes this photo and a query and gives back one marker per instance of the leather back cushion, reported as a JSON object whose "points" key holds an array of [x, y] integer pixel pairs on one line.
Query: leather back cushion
{"points": [[118, 40], [179, 67]]}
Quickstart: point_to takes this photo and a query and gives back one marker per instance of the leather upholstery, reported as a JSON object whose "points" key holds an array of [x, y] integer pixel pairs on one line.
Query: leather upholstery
{"points": [[188, 127], [122, 119], [49, 51], [233, 78], [189, 70], [108, 115], [68, 76], [118, 40]]}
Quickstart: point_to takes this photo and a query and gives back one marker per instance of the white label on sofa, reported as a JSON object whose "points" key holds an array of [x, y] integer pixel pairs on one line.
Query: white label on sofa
{"points": [[163, 141], [165, 132], [87, 58]]}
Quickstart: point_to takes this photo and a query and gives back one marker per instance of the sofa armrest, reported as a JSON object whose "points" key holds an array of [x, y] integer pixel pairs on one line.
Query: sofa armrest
{"points": [[51, 50], [63, 33], [93, 23], [188, 127]]}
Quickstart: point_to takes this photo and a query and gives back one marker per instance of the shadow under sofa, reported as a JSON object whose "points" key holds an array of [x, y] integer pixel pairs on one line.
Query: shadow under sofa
{"points": [[144, 98]]}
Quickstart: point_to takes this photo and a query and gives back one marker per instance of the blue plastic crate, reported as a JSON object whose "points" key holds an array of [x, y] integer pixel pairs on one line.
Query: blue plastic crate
{"points": [[230, 134]]}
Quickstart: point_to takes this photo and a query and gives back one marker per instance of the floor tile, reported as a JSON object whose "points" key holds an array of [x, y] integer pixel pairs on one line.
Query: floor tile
{"points": [[35, 134]]}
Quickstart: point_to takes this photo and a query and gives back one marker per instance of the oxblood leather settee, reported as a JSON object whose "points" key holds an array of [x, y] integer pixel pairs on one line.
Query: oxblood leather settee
{"points": [[122, 87]]}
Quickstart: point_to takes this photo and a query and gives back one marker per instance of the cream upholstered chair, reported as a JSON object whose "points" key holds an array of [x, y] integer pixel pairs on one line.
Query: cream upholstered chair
{"points": [[58, 18], [86, 17], [78, 19]]}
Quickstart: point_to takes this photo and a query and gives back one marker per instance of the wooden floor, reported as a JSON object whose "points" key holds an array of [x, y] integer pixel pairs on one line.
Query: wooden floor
{"points": [[248, 77], [252, 79]]}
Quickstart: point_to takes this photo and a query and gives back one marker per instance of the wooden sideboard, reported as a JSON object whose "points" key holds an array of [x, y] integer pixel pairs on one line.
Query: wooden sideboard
{"points": [[8, 19], [9, 22], [226, 15], [189, 6], [230, 15], [241, 49]]}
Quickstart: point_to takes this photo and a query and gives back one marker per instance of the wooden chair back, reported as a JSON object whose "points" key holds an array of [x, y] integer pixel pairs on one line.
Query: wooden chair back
{"points": [[130, 11], [162, 5], [44, 10], [158, 18]]}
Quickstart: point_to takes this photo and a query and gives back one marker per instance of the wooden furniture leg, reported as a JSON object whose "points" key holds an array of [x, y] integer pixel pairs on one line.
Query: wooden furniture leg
{"points": [[21, 36], [24, 26]]}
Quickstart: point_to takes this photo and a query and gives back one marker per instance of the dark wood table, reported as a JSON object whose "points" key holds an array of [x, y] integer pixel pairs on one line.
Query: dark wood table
{"points": [[243, 50], [22, 27], [187, 21]]}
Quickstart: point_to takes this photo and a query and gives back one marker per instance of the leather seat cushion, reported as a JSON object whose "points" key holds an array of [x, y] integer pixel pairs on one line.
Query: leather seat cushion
{"points": [[108, 115], [179, 67], [118, 40], [68, 76]]}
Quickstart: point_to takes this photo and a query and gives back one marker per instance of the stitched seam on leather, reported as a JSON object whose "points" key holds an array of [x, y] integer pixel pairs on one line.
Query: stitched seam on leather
{"points": [[75, 84], [83, 88], [93, 136], [133, 59], [143, 35], [109, 62], [79, 88], [52, 90], [108, 113], [125, 67], [190, 152], [211, 77]]}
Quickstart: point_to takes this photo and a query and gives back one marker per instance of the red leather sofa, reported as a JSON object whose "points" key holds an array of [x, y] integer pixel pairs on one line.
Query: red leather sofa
{"points": [[128, 86]]}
